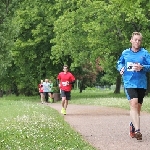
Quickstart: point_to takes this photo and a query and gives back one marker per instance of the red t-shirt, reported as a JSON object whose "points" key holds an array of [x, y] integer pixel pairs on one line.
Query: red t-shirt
{"points": [[40, 86], [64, 79]]}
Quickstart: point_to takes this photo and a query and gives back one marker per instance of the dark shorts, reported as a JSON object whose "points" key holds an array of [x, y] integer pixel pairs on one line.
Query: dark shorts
{"points": [[66, 94], [45, 93], [135, 93]]}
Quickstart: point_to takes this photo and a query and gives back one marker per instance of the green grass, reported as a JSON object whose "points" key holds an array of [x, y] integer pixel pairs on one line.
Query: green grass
{"points": [[25, 124], [105, 98], [28, 125]]}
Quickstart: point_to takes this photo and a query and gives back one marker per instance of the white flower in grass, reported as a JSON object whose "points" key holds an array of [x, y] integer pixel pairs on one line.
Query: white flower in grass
{"points": [[41, 135], [5, 119], [20, 131], [2, 141]]}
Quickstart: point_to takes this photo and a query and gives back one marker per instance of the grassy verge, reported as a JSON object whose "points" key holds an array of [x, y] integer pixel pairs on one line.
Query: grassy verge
{"points": [[25, 124], [105, 98], [28, 125]]}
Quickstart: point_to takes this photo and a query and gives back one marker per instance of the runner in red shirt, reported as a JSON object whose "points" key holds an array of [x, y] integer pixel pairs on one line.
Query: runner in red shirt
{"points": [[40, 86], [66, 79]]}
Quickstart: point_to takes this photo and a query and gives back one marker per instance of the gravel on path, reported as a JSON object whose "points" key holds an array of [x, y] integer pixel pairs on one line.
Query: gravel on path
{"points": [[106, 128]]}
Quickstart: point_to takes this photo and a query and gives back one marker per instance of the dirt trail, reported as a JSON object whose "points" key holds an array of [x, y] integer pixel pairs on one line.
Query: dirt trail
{"points": [[106, 128]]}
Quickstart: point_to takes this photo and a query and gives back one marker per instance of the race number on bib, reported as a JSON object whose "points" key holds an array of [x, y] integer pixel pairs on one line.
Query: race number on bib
{"points": [[130, 66], [65, 83]]}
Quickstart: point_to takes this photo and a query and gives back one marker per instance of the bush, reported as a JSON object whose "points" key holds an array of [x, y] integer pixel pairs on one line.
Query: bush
{"points": [[56, 89]]}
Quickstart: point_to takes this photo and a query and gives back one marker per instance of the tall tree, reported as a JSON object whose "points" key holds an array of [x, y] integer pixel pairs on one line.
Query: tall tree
{"points": [[7, 33], [99, 29], [32, 48]]}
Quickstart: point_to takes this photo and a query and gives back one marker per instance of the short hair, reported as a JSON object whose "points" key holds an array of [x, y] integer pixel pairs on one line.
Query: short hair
{"points": [[136, 33], [65, 66]]}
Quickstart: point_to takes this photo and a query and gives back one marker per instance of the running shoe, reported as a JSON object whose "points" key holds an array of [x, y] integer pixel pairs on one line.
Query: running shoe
{"points": [[132, 130], [138, 136], [63, 111]]}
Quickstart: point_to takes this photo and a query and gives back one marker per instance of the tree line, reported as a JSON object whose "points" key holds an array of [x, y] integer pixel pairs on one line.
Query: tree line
{"points": [[39, 37]]}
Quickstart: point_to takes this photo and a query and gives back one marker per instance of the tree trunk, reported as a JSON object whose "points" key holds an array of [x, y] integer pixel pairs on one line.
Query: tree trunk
{"points": [[118, 84], [81, 86], [80, 89], [1, 93], [148, 84], [57, 97], [8, 92], [15, 89]]}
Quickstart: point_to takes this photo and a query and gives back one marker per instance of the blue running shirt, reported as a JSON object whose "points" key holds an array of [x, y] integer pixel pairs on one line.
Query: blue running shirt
{"points": [[131, 78]]}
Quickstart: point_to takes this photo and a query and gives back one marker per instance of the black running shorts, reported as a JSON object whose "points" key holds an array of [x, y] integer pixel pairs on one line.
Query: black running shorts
{"points": [[135, 93], [66, 94]]}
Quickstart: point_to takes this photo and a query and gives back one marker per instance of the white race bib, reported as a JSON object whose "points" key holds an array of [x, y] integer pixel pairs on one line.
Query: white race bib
{"points": [[64, 83], [130, 66]]}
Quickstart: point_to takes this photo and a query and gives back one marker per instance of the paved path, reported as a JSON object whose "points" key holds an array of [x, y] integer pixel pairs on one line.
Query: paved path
{"points": [[106, 128]]}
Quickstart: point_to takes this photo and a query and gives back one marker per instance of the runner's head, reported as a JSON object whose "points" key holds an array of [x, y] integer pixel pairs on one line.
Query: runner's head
{"points": [[46, 80], [136, 40], [65, 68]]}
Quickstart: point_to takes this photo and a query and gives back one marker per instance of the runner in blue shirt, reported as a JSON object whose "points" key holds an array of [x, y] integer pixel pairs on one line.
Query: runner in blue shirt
{"points": [[46, 85], [133, 65]]}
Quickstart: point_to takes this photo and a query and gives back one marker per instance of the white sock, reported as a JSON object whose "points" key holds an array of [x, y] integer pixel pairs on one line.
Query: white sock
{"points": [[135, 117]]}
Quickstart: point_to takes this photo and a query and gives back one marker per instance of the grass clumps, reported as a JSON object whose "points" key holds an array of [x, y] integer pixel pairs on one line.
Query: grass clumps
{"points": [[26, 125]]}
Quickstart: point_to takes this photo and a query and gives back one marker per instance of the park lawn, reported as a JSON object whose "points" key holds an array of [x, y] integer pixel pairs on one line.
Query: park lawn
{"points": [[26, 124], [105, 98]]}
